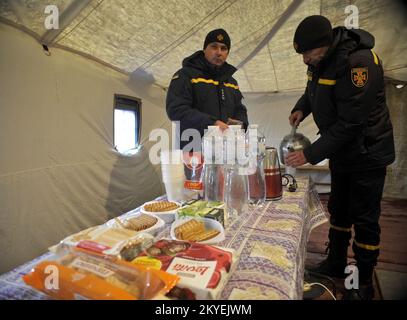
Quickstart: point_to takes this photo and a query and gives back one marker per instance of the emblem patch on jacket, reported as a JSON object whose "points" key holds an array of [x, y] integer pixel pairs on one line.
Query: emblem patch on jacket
{"points": [[359, 76]]}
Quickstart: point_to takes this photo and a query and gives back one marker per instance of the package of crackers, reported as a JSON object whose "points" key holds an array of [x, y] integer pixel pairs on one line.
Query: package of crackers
{"points": [[121, 243]]}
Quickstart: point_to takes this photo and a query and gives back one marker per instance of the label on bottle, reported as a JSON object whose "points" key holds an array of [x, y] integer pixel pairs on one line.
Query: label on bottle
{"points": [[193, 185]]}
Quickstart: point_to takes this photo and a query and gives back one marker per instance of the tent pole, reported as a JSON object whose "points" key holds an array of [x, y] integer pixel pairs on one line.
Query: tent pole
{"points": [[280, 22]]}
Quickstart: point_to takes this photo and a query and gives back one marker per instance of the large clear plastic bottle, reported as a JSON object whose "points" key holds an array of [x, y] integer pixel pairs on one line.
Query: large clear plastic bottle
{"points": [[213, 164], [236, 183], [256, 143]]}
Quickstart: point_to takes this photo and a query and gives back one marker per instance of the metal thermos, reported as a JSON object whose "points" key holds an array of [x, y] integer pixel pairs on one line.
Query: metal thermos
{"points": [[274, 187], [294, 141]]}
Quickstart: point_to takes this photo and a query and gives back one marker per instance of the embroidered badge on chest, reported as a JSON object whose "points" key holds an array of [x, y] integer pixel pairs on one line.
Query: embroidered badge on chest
{"points": [[359, 76]]}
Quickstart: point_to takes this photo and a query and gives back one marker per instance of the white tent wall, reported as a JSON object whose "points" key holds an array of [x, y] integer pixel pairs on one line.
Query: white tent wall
{"points": [[59, 172], [271, 112], [396, 179]]}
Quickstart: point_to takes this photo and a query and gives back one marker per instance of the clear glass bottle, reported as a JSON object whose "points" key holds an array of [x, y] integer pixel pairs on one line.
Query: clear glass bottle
{"points": [[213, 164], [256, 143], [236, 183]]}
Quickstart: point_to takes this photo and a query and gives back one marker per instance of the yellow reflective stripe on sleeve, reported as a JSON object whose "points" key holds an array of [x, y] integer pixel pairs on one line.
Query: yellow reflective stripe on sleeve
{"points": [[309, 78], [231, 86], [196, 80], [376, 59], [327, 82], [366, 246], [341, 229]]}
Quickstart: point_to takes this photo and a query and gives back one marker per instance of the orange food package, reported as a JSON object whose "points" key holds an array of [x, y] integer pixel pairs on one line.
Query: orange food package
{"points": [[80, 274]]}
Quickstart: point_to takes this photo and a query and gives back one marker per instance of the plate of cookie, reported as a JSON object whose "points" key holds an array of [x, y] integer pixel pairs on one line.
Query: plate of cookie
{"points": [[142, 222], [202, 230], [164, 209]]}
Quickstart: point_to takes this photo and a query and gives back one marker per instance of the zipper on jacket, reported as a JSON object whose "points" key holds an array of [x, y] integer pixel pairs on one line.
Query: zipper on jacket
{"points": [[221, 98]]}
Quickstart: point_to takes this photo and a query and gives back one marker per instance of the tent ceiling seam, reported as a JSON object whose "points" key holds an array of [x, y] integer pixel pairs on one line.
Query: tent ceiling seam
{"points": [[21, 27], [272, 63], [80, 22], [256, 38], [65, 19], [16, 7], [256, 31], [68, 49], [283, 18], [247, 78], [187, 34]]}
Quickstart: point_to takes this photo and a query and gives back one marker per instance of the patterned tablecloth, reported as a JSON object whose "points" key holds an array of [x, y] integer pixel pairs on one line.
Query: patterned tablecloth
{"points": [[270, 241]]}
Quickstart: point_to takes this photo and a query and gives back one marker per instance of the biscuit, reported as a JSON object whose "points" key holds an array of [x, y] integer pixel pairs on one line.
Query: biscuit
{"points": [[194, 230], [160, 206]]}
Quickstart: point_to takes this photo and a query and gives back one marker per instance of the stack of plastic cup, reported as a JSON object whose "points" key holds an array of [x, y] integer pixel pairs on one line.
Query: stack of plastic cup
{"points": [[173, 176]]}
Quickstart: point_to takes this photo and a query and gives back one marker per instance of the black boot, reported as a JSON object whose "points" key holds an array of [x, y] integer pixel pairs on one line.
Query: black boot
{"points": [[365, 292], [333, 266], [366, 260], [337, 248]]}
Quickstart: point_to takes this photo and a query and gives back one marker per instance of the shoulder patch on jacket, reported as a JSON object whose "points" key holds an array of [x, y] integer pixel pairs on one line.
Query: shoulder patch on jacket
{"points": [[359, 76]]}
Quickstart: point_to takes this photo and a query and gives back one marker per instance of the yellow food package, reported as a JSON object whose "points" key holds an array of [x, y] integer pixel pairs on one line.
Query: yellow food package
{"points": [[80, 274]]}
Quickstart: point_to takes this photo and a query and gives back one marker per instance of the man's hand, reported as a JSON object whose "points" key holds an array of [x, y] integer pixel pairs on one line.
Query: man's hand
{"points": [[295, 159], [223, 126], [234, 122], [296, 117]]}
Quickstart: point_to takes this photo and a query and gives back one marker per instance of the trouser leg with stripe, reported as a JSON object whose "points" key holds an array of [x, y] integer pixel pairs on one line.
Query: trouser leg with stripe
{"points": [[355, 201], [340, 231]]}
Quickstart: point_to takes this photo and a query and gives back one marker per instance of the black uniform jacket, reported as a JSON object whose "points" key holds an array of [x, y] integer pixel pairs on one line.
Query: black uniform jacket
{"points": [[200, 94], [345, 94]]}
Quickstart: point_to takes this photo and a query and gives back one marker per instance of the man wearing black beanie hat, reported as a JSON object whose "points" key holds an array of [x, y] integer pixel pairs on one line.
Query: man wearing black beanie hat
{"points": [[313, 32], [345, 94], [203, 92], [218, 35]]}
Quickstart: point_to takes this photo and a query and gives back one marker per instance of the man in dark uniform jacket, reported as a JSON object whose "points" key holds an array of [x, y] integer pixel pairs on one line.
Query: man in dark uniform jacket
{"points": [[345, 94], [203, 92]]}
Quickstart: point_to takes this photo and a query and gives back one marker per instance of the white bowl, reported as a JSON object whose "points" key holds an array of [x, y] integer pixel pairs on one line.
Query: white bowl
{"points": [[209, 224], [167, 216], [152, 230]]}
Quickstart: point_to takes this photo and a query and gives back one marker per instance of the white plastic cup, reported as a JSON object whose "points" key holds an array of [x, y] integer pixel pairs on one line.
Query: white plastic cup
{"points": [[172, 172], [173, 179], [175, 190], [171, 157], [172, 168]]}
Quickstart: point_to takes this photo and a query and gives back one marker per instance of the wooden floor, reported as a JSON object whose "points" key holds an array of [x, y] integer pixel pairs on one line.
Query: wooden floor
{"points": [[391, 270]]}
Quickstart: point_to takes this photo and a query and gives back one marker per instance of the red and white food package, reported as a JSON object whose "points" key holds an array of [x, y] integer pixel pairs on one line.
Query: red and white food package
{"points": [[203, 269]]}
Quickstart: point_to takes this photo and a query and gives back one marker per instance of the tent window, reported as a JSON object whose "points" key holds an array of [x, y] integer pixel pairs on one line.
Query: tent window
{"points": [[127, 123]]}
